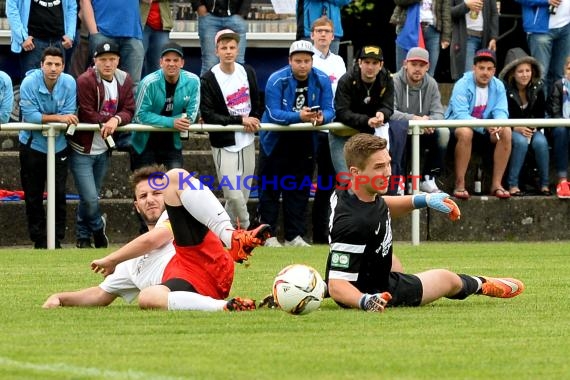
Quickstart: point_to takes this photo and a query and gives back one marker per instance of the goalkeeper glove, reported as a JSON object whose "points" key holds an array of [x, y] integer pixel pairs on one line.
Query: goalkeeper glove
{"points": [[439, 202], [374, 302]]}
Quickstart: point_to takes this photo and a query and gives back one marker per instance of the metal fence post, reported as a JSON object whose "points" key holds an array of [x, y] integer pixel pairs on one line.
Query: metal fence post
{"points": [[51, 135], [415, 180]]}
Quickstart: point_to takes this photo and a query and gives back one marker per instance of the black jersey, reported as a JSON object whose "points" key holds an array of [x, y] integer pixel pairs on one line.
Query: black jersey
{"points": [[361, 242]]}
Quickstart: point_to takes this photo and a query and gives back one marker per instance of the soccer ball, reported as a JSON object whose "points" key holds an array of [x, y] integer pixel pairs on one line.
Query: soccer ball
{"points": [[299, 289]]}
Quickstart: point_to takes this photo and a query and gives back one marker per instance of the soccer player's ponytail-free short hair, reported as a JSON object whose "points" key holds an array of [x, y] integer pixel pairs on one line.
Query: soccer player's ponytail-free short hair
{"points": [[144, 173], [360, 147], [53, 52]]}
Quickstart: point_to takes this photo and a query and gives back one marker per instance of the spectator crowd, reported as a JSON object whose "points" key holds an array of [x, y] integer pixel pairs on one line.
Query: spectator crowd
{"points": [[132, 72]]}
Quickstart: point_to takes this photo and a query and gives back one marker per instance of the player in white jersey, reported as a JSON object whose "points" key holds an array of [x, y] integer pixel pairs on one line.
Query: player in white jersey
{"points": [[153, 261], [139, 273]]}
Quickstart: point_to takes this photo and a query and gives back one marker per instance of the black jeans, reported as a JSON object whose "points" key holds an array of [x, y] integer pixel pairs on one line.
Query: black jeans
{"points": [[33, 174], [325, 187], [287, 173]]}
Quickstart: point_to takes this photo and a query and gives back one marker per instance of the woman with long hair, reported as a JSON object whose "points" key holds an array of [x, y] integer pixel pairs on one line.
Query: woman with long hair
{"points": [[526, 99]]}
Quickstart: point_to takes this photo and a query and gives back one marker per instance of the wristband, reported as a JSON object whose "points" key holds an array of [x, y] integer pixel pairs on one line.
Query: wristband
{"points": [[363, 299], [434, 201], [419, 200]]}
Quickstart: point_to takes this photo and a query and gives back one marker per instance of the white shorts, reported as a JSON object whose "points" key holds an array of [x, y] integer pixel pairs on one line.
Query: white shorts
{"points": [[133, 275]]}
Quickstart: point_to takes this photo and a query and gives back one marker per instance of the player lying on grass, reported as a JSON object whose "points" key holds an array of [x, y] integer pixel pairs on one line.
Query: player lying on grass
{"points": [[360, 256], [180, 264]]}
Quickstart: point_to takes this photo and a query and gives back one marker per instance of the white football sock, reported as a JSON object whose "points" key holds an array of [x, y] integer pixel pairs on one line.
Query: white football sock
{"points": [[193, 301], [203, 205]]}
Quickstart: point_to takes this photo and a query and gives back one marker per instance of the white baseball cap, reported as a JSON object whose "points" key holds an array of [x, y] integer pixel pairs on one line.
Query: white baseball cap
{"points": [[301, 46]]}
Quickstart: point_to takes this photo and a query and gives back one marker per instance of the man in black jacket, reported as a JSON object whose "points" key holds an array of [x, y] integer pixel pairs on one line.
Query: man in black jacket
{"points": [[364, 100], [229, 95]]}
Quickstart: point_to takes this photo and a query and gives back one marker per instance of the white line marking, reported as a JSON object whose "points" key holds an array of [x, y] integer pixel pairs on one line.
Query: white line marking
{"points": [[82, 371]]}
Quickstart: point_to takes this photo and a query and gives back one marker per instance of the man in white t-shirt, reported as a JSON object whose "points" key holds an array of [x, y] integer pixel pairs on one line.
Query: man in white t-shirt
{"points": [[322, 34], [180, 264], [480, 95], [229, 95]]}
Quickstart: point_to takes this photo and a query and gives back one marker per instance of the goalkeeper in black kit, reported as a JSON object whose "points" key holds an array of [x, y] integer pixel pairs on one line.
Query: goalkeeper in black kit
{"points": [[360, 272]]}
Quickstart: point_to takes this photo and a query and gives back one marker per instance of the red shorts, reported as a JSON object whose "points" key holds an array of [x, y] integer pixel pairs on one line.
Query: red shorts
{"points": [[207, 266]]}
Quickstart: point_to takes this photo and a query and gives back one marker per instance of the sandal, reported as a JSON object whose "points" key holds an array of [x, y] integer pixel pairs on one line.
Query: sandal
{"points": [[501, 193], [515, 192], [546, 192], [461, 194]]}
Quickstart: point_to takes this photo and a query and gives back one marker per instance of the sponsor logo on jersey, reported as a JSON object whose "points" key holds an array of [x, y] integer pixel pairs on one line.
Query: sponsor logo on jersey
{"points": [[340, 260]]}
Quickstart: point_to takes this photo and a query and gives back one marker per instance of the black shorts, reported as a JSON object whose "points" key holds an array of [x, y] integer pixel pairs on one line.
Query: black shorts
{"points": [[406, 289], [179, 285]]}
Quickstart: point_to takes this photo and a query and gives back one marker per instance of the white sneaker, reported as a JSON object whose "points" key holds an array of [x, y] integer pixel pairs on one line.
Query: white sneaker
{"points": [[272, 242], [297, 242], [429, 185]]}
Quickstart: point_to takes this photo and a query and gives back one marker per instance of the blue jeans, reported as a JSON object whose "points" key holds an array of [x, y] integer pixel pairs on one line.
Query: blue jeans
{"points": [[473, 44], [520, 146], [31, 59], [432, 41], [208, 26], [551, 50], [153, 41], [336, 146], [88, 173], [132, 53], [560, 138], [69, 53]]}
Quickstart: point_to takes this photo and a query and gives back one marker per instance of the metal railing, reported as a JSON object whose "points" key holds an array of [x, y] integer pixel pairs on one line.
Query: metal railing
{"points": [[52, 130], [416, 126], [415, 129]]}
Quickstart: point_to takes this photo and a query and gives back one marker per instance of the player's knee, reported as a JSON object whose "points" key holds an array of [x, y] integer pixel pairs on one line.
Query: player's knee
{"points": [[153, 298], [177, 175]]}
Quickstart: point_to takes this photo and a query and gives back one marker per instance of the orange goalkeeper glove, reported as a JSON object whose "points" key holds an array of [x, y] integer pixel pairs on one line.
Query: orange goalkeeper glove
{"points": [[455, 213]]}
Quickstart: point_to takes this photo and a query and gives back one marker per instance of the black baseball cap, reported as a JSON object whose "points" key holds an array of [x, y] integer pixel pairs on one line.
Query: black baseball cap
{"points": [[106, 47], [371, 51], [485, 55], [172, 47]]}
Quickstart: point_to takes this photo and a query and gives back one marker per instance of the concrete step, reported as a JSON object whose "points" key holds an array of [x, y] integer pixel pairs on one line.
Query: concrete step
{"points": [[197, 155], [116, 184], [482, 219]]}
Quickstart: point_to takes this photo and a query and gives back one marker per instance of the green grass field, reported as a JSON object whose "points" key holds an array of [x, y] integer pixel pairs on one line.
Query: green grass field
{"points": [[522, 338]]}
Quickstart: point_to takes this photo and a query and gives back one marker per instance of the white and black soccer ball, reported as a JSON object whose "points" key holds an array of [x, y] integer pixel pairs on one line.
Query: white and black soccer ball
{"points": [[299, 289]]}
